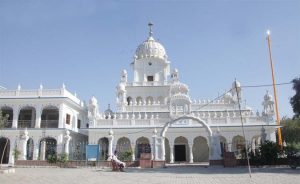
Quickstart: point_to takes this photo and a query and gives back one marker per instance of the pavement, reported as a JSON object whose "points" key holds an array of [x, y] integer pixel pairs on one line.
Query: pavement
{"points": [[172, 175]]}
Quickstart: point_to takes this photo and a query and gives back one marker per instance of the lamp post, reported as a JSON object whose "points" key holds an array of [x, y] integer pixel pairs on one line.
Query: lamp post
{"points": [[274, 89]]}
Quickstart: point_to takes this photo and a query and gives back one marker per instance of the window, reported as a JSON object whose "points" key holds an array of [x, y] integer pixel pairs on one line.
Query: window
{"points": [[150, 78], [78, 123], [68, 119]]}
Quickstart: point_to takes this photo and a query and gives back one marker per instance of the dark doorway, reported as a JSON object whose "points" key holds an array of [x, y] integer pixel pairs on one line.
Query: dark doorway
{"points": [[7, 148], [180, 153]]}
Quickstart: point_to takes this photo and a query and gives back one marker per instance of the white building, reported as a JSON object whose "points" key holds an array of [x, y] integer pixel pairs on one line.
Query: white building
{"points": [[155, 114]]}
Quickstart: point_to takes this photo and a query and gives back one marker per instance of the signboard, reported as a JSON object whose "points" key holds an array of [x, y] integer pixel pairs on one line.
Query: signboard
{"points": [[92, 152]]}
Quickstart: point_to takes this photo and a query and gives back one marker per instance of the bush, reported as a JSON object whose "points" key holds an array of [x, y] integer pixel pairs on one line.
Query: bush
{"points": [[52, 158], [269, 152]]}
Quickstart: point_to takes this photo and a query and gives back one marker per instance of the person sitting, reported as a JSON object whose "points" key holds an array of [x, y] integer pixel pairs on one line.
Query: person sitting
{"points": [[121, 165]]}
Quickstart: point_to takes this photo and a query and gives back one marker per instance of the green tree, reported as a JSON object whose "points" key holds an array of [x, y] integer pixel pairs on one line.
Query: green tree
{"points": [[291, 130], [295, 100], [3, 122]]}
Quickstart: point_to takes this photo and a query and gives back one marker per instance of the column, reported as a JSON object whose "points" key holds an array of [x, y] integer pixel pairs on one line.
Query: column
{"points": [[61, 123], [11, 160], [154, 144], [67, 139], [36, 150], [110, 144], [133, 151], [23, 143], [191, 153], [16, 112], [43, 150], [171, 153], [163, 150], [38, 116], [215, 153]]}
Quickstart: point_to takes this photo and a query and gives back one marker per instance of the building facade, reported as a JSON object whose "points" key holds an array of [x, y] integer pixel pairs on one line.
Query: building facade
{"points": [[154, 114]]}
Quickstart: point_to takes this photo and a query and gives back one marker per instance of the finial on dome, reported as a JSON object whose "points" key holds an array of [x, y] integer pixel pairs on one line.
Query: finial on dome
{"points": [[150, 29]]}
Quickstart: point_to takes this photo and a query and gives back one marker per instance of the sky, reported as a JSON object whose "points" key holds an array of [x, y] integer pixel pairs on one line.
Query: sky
{"points": [[86, 43]]}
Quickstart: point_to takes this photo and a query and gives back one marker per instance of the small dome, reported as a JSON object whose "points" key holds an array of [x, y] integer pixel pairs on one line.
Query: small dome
{"points": [[150, 48], [179, 87], [268, 97], [228, 96], [236, 83]]}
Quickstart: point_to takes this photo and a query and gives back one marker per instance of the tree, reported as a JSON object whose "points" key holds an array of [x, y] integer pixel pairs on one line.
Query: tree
{"points": [[295, 100], [3, 121], [290, 130]]}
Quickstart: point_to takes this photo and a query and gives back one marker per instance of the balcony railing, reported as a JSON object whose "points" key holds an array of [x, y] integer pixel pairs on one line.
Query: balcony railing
{"points": [[49, 124], [26, 124]]}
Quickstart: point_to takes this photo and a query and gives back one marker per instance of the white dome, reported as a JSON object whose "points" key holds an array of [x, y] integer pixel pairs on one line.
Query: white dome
{"points": [[179, 87], [150, 48]]}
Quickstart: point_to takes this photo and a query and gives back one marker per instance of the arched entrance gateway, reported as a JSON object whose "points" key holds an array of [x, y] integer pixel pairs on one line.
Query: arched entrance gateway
{"points": [[211, 147]]}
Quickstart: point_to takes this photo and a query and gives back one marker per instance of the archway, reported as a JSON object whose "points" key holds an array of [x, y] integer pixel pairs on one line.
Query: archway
{"points": [[168, 124], [7, 148], [7, 111], [49, 118], [181, 149], [123, 148], [200, 149], [103, 142], [27, 117], [142, 146], [48, 147], [238, 145], [29, 149]]}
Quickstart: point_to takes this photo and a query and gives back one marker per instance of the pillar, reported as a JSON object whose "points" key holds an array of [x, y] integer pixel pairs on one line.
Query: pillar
{"points": [[215, 149], [38, 116], [11, 160], [110, 144], [171, 153], [61, 123], [67, 139], [23, 144], [133, 151], [43, 150], [163, 150], [16, 112], [36, 151], [191, 153]]}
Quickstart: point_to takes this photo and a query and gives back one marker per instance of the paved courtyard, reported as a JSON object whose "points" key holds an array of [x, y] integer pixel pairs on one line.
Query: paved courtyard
{"points": [[172, 175]]}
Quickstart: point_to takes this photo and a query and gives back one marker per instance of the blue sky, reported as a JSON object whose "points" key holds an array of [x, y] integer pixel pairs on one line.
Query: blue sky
{"points": [[85, 44]]}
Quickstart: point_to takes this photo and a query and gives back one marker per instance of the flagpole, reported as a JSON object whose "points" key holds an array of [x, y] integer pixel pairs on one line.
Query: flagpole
{"points": [[274, 89]]}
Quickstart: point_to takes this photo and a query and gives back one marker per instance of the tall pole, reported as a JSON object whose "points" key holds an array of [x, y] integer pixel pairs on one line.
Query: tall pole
{"points": [[274, 89]]}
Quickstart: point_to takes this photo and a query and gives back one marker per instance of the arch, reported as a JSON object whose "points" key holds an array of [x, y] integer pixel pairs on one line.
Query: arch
{"points": [[160, 100], [165, 128], [200, 149], [142, 146], [7, 149], [123, 147], [181, 149], [50, 117], [129, 100], [47, 147], [29, 149], [103, 142], [139, 100], [7, 111], [238, 144], [149, 100], [27, 117]]}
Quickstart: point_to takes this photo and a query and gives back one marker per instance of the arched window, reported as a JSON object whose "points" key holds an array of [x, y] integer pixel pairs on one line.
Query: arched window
{"points": [[129, 100]]}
